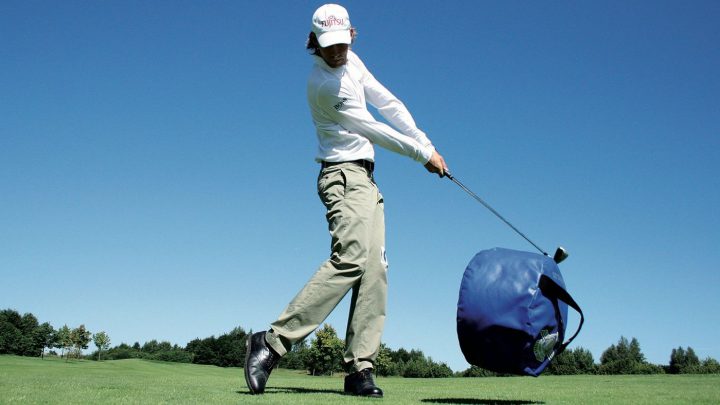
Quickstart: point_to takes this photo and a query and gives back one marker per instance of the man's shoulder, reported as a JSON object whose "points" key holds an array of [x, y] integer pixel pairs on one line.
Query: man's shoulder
{"points": [[320, 78], [354, 60]]}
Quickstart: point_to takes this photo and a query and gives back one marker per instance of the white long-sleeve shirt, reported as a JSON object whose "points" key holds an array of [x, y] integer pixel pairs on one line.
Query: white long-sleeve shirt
{"points": [[345, 128]]}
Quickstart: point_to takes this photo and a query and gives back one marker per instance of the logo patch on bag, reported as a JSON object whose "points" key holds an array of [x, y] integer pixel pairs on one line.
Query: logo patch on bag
{"points": [[544, 346]]}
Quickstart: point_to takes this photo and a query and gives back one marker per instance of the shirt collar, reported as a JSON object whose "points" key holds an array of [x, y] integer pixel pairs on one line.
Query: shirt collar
{"points": [[321, 62]]}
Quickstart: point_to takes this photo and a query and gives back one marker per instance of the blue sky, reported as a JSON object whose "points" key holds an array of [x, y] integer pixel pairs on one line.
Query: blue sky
{"points": [[157, 178]]}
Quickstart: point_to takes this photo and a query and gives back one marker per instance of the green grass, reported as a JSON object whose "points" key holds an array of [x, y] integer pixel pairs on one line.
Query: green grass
{"points": [[32, 380]]}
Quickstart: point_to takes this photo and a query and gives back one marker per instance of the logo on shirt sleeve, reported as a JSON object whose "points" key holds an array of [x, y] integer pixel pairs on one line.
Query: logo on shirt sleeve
{"points": [[339, 105]]}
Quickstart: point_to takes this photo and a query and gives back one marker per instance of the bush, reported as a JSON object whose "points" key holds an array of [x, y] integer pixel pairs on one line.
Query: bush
{"points": [[325, 355], [572, 361], [684, 361], [228, 350], [626, 358], [121, 352], [475, 371], [710, 366], [426, 368], [439, 370], [296, 358]]}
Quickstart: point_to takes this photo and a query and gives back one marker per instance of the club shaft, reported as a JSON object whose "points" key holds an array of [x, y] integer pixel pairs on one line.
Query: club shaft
{"points": [[497, 214]]}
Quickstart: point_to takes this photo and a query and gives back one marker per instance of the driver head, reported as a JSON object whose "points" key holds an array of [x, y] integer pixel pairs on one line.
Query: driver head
{"points": [[560, 254]]}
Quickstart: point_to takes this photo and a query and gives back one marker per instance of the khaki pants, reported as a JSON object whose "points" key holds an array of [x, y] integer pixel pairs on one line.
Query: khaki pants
{"points": [[356, 220]]}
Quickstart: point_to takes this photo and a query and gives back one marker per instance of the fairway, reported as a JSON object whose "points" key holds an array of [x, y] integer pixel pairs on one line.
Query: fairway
{"points": [[32, 380]]}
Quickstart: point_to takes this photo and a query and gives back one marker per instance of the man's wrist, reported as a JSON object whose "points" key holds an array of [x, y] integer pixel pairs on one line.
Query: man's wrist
{"points": [[426, 154]]}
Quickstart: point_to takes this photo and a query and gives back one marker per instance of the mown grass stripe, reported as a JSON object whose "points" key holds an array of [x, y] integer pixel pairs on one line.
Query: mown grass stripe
{"points": [[32, 380]]}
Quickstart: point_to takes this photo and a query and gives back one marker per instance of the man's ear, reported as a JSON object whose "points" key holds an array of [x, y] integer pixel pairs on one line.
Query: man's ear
{"points": [[353, 34]]}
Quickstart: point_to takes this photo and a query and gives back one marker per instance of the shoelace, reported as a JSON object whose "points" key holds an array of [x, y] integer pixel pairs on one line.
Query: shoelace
{"points": [[270, 360], [367, 375]]}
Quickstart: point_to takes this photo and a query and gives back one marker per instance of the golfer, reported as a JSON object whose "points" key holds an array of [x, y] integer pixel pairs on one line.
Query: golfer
{"points": [[337, 91]]}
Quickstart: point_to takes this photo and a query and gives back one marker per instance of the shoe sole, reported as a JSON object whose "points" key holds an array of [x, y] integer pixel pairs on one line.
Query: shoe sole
{"points": [[352, 394], [248, 350]]}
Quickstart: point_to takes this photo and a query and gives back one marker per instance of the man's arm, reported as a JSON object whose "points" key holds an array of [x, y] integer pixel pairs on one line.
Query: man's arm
{"points": [[390, 107], [345, 108], [398, 115]]}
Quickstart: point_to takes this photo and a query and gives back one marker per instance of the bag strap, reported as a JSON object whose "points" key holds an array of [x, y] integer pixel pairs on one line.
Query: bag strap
{"points": [[551, 289]]}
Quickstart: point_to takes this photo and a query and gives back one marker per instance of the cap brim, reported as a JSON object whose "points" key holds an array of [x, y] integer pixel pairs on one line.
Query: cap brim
{"points": [[334, 37]]}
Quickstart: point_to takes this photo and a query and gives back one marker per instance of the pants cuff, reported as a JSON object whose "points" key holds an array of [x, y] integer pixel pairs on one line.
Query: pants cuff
{"points": [[361, 365], [275, 343]]}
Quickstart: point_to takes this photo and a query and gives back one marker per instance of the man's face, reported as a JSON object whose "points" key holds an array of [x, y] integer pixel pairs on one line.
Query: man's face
{"points": [[334, 55]]}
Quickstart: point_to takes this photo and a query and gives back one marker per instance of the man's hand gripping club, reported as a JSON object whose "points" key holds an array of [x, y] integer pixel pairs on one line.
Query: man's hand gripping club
{"points": [[436, 164]]}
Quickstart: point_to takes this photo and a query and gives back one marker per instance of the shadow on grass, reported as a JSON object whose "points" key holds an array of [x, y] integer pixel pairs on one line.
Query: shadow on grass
{"points": [[462, 401], [295, 390], [479, 401]]}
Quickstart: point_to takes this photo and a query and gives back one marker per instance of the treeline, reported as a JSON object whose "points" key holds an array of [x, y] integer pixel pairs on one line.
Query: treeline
{"points": [[324, 356], [23, 335], [227, 350], [625, 357]]}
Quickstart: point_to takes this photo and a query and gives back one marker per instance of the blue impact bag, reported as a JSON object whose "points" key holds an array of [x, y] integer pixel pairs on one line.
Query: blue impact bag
{"points": [[512, 312]]}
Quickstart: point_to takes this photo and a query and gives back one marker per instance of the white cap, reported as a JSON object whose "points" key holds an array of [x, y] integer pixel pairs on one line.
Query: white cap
{"points": [[331, 25]]}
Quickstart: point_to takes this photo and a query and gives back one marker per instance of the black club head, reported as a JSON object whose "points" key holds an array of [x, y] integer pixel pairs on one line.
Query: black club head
{"points": [[560, 254]]}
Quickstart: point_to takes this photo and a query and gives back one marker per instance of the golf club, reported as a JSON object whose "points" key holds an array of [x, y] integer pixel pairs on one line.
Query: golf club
{"points": [[560, 254]]}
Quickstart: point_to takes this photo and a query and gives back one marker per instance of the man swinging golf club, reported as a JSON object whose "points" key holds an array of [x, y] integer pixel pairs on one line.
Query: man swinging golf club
{"points": [[338, 89]]}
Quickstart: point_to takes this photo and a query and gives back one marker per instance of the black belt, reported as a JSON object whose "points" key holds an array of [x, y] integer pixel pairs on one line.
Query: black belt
{"points": [[365, 164]]}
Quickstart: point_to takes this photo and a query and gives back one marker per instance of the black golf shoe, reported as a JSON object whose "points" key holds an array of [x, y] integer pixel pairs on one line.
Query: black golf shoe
{"points": [[361, 383], [260, 360]]}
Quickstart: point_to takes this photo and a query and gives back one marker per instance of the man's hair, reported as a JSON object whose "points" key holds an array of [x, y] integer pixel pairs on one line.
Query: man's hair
{"points": [[312, 44]]}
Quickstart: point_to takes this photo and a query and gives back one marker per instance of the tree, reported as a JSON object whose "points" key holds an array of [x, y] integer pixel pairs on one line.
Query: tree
{"points": [[231, 348], [29, 346], [228, 350], [123, 351], [151, 347], [415, 368], [563, 364], [80, 338], [326, 352], [572, 361], [10, 334], [21, 335], [684, 361], [46, 336], [401, 355], [439, 370], [102, 341], [203, 351], [584, 361], [634, 351], [411, 363], [295, 359], [677, 360], [475, 371], [422, 367], [64, 340], [626, 358], [384, 361], [163, 351], [710, 366]]}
